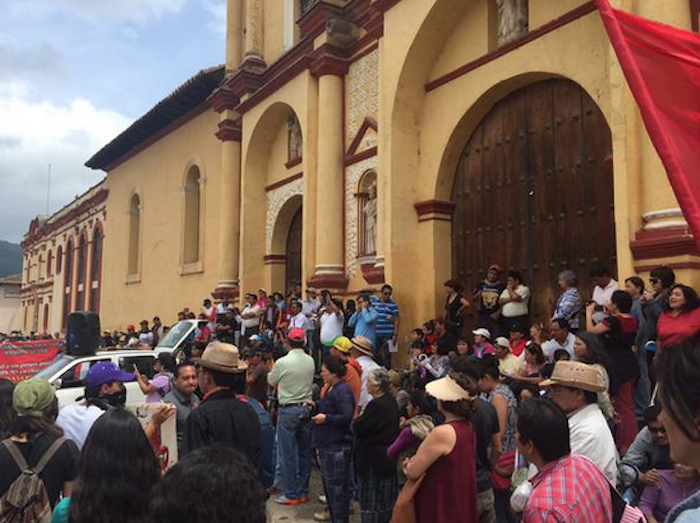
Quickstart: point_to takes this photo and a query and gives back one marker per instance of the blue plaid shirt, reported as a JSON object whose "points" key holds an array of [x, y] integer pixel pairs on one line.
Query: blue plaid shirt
{"points": [[568, 307]]}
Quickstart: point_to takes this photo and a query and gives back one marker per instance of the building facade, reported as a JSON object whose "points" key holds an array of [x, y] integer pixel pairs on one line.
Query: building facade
{"points": [[347, 143], [10, 304], [62, 266]]}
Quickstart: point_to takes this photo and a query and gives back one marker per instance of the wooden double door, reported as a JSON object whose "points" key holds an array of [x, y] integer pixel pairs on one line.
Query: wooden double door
{"points": [[292, 273], [534, 192]]}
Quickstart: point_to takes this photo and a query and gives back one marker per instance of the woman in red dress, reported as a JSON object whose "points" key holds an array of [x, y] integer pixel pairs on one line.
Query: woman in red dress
{"points": [[447, 457]]}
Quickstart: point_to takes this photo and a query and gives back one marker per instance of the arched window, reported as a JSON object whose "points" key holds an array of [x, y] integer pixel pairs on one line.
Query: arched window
{"points": [[96, 270], [191, 240], [367, 214], [68, 283], [82, 269], [134, 234], [59, 259], [46, 318], [49, 263]]}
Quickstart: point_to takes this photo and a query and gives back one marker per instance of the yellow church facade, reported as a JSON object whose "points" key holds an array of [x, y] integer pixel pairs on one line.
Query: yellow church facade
{"points": [[346, 144]]}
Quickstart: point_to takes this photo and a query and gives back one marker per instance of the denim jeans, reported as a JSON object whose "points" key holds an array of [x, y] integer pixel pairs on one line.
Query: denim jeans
{"points": [[294, 451], [383, 356], [641, 391], [335, 464]]}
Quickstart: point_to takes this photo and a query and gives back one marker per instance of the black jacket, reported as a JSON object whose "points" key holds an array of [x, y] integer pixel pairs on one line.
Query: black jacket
{"points": [[220, 418], [375, 430]]}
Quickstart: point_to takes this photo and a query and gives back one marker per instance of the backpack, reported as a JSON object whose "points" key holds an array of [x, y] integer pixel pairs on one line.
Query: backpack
{"points": [[27, 501]]}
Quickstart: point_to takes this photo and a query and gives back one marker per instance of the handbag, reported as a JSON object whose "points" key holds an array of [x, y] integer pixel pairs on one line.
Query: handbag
{"points": [[405, 507], [505, 463]]}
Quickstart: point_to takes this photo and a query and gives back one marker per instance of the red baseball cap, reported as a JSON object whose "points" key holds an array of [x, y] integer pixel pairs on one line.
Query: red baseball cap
{"points": [[297, 335]]}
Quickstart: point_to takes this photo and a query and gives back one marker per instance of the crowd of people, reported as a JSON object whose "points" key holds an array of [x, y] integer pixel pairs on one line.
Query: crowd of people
{"points": [[588, 416]]}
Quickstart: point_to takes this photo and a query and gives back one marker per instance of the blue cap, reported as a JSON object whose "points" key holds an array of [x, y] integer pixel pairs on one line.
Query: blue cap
{"points": [[106, 372]]}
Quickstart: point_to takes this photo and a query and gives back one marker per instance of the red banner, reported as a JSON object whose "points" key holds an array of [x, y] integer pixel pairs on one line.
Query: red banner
{"points": [[20, 360], [662, 66]]}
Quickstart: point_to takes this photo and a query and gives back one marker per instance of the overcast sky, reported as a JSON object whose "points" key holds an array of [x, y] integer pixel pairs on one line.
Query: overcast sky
{"points": [[74, 74]]}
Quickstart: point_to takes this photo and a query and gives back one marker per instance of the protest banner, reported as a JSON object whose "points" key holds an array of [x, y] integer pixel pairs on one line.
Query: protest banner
{"points": [[20, 360], [164, 443]]}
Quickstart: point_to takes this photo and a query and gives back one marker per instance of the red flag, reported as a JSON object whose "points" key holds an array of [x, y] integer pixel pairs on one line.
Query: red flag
{"points": [[662, 66]]}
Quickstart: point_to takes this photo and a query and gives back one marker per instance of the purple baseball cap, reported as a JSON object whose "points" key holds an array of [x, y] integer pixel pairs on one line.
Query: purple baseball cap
{"points": [[106, 372]]}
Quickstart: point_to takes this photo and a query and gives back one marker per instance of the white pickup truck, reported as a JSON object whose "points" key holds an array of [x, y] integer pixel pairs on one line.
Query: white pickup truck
{"points": [[66, 373]]}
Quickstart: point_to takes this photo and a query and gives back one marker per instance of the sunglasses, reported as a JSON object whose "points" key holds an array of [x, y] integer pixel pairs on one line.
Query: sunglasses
{"points": [[654, 281], [657, 430]]}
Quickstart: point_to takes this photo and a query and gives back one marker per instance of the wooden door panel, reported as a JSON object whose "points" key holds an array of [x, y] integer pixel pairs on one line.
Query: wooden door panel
{"points": [[534, 192], [292, 274]]}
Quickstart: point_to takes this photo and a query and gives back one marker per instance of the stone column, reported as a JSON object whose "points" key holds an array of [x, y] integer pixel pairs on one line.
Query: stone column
{"points": [[329, 269], [234, 34], [229, 210], [254, 27]]}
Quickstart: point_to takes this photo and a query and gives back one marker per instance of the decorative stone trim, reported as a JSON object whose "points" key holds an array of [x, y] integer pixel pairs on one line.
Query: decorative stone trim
{"points": [[229, 131], [223, 99], [663, 242], [353, 173], [663, 218], [329, 64], [275, 259], [434, 210], [276, 198], [231, 292]]}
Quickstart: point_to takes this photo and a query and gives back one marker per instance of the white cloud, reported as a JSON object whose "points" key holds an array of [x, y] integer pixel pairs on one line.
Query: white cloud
{"points": [[35, 133], [106, 11], [217, 9]]}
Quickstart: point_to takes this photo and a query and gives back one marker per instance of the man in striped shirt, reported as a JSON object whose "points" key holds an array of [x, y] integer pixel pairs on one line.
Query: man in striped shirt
{"points": [[567, 489], [387, 324]]}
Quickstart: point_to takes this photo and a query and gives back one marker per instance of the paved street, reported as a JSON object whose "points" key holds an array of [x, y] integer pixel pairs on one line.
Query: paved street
{"points": [[304, 513]]}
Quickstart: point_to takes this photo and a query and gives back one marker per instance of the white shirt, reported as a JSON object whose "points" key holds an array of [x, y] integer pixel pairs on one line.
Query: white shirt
{"points": [[602, 296], [76, 421], [255, 320], [551, 346], [146, 338], [297, 322], [590, 436], [516, 308], [331, 327], [310, 308], [367, 365]]}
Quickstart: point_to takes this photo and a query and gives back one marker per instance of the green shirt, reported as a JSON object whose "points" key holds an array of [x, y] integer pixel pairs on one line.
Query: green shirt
{"points": [[294, 373]]}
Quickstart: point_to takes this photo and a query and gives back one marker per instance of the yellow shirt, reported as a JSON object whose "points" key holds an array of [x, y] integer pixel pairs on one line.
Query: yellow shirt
{"points": [[509, 365]]}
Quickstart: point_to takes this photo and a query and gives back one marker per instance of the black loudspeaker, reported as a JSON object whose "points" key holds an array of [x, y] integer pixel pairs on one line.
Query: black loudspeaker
{"points": [[83, 335]]}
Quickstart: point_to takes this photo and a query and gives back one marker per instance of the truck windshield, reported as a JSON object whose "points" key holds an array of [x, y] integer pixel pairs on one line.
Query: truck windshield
{"points": [[174, 335], [55, 366]]}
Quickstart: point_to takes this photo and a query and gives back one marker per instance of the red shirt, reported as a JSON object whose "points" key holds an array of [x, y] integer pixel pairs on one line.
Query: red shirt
{"points": [[568, 490], [672, 330]]}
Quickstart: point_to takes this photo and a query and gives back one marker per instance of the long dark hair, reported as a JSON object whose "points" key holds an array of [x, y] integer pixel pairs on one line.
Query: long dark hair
{"points": [[7, 413], [117, 472], [692, 301], [677, 370]]}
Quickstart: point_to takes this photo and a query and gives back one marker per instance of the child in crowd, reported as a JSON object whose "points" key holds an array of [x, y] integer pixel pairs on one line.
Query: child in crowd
{"points": [[414, 429], [517, 340], [482, 343]]}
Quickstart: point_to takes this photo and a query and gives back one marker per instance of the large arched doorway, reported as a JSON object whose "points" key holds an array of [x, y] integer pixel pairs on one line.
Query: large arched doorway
{"points": [[534, 192], [292, 272]]}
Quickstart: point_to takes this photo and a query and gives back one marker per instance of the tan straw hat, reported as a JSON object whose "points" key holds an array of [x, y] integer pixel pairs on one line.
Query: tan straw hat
{"points": [[223, 357], [576, 375], [363, 345], [447, 389]]}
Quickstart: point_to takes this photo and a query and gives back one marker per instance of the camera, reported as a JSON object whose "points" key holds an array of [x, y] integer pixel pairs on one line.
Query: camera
{"points": [[422, 357]]}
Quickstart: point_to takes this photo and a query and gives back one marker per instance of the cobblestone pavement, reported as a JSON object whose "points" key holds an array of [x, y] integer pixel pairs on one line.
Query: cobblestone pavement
{"points": [[304, 513]]}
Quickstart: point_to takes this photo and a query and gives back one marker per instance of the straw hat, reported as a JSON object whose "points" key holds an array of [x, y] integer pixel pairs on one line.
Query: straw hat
{"points": [[223, 357], [576, 375], [363, 345], [447, 389]]}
